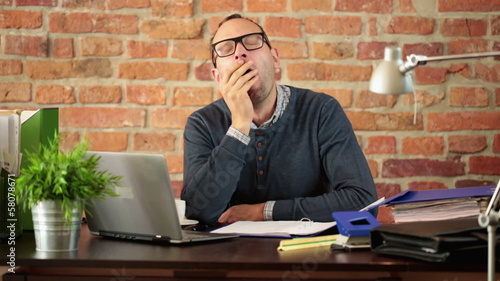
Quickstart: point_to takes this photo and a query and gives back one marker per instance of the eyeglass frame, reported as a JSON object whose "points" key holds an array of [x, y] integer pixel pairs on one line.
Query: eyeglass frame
{"points": [[237, 40]]}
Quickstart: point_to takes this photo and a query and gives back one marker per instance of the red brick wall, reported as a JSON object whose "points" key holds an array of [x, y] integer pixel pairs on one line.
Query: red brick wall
{"points": [[127, 73]]}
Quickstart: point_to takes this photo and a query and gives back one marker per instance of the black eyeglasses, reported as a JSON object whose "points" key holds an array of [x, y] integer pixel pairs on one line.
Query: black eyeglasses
{"points": [[250, 42]]}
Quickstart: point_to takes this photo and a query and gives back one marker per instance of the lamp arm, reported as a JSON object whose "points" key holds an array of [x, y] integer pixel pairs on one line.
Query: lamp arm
{"points": [[491, 219], [416, 60]]}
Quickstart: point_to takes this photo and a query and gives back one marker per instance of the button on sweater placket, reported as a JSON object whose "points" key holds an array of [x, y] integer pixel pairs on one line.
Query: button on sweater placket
{"points": [[260, 148]]}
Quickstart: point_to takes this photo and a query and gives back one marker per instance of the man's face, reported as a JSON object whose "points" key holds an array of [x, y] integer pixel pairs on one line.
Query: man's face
{"points": [[264, 59]]}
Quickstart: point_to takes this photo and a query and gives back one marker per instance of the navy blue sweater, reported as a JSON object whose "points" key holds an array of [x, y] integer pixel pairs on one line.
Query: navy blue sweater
{"points": [[309, 162]]}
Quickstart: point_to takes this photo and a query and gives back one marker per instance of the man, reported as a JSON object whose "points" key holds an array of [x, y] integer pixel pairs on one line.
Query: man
{"points": [[267, 151]]}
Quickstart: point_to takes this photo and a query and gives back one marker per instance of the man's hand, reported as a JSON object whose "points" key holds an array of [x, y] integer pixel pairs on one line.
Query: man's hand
{"points": [[244, 212], [234, 89]]}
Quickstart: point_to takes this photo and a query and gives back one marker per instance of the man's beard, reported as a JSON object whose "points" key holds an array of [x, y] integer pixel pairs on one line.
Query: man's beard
{"points": [[257, 96], [259, 93]]}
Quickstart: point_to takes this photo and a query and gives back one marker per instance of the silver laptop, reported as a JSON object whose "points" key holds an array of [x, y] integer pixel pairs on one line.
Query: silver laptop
{"points": [[145, 209]]}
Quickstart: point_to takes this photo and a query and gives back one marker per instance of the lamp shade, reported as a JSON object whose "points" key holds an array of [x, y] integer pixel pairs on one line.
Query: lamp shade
{"points": [[387, 78]]}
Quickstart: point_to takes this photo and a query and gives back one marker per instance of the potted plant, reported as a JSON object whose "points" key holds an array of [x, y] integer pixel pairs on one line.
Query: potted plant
{"points": [[58, 186]]}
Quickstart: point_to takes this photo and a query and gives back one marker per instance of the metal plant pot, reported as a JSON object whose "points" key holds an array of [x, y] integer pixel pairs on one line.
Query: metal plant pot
{"points": [[52, 232]]}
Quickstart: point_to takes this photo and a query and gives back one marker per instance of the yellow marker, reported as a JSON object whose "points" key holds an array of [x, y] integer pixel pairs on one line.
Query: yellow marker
{"points": [[307, 242]]}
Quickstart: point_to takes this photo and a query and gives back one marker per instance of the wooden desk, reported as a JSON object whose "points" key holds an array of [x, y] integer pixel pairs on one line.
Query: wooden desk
{"points": [[100, 259]]}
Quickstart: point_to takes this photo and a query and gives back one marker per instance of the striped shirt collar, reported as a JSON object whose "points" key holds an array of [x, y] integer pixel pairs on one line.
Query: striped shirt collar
{"points": [[283, 98]]}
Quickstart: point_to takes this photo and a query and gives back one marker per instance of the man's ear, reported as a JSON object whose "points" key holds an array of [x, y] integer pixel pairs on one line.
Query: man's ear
{"points": [[215, 74], [276, 58]]}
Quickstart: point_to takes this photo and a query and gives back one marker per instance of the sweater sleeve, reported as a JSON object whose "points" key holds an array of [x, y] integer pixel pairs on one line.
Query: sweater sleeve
{"points": [[211, 173], [350, 184]]}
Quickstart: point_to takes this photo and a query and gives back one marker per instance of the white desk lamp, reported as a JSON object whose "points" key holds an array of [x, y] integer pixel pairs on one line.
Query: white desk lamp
{"points": [[393, 76], [490, 219]]}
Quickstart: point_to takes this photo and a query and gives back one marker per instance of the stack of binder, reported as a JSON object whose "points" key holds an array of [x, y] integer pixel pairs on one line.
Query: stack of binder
{"points": [[432, 241], [10, 123], [21, 131], [434, 205]]}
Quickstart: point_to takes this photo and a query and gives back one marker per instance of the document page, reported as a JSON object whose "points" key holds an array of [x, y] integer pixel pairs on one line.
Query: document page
{"points": [[275, 228]]}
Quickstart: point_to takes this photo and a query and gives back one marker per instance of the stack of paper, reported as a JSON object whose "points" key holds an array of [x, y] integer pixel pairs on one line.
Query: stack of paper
{"points": [[437, 209], [275, 228], [433, 205]]}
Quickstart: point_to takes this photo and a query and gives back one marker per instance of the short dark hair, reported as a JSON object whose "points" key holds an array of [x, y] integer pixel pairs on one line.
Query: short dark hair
{"points": [[235, 16]]}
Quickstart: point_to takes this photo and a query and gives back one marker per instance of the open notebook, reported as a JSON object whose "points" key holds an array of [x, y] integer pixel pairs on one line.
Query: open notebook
{"points": [[304, 227], [145, 209]]}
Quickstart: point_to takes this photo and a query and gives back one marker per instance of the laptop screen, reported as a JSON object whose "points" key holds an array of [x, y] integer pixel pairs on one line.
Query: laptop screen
{"points": [[145, 207]]}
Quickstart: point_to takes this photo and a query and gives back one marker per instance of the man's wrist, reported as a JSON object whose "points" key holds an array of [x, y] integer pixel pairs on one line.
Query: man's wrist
{"points": [[239, 135], [268, 210]]}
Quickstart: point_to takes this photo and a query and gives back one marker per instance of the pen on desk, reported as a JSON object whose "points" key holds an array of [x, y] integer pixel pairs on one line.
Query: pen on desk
{"points": [[373, 205], [381, 200]]}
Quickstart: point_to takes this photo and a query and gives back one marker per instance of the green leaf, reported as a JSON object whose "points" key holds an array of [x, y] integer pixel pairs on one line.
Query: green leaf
{"points": [[52, 174]]}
